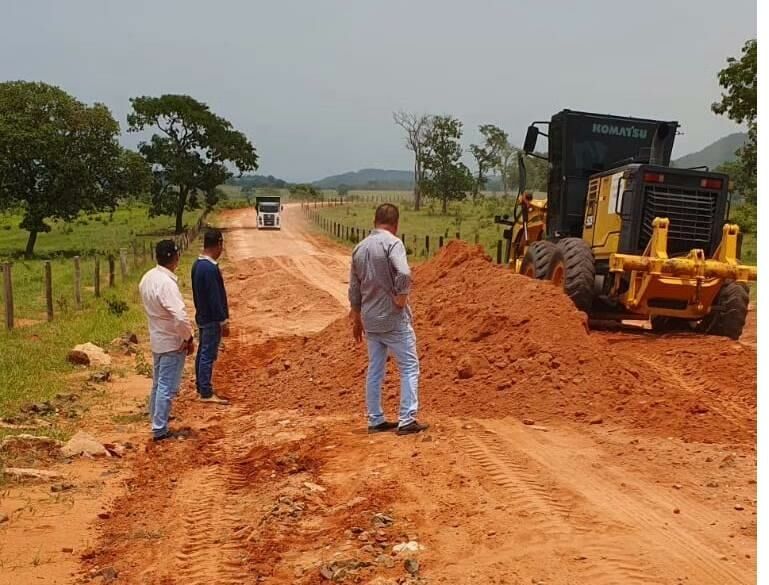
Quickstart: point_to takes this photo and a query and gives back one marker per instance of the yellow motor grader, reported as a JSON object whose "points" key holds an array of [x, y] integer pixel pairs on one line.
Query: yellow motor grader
{"points": [[626, 235]]}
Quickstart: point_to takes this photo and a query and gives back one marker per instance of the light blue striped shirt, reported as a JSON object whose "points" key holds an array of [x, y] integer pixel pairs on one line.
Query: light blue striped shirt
{"points": [[378, 273]]}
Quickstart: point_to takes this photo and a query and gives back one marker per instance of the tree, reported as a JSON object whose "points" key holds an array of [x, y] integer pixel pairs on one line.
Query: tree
{"points": [[417, 128], [304, 192], [342, 190], [738, 103], [446, 177], [507, 167], [60, 157], [248, 192], [192, 154], [487, 155]]}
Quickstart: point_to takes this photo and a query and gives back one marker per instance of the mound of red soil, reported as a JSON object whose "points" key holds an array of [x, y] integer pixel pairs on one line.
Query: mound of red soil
{"points": [[493, 343]]}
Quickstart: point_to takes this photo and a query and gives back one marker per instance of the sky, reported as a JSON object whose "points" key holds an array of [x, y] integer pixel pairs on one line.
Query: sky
{"points": [[313, 83]]}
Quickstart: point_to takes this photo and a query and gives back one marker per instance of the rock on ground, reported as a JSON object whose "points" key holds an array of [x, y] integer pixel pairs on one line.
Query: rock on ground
{"points": [[84, 444], [88, 354]]}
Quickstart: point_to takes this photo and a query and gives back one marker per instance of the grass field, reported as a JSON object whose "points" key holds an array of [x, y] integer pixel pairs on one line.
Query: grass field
{"points": [[468, 219], [32, 364], [89, 234], [98, 234]]}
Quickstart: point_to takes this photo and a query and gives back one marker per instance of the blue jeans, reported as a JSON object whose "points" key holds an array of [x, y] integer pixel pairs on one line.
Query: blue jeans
{"points": [[402, 343], [208, 350], [166, 378]]}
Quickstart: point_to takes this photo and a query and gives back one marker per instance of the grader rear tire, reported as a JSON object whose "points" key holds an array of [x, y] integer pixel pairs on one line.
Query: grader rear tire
{"points": [[730, 311], [539, 260], [578, 272]]}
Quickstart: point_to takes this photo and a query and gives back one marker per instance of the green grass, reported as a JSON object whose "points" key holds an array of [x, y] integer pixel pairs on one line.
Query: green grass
{"points": [[750, 256], [87, 236], [470, 220], [33, 364], [95, 233]]}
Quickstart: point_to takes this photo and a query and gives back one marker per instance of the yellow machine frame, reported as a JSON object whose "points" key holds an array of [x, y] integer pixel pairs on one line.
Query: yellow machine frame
{"points": [[693, 278], [653, 276]]}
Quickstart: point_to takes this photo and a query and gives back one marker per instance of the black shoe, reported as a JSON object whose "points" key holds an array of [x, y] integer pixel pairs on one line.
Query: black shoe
{"points": [[383, 427], [183, 434], [412, 428]]}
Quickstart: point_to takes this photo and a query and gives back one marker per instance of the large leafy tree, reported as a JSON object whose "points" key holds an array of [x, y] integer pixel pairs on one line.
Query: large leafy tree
{"points": [[738, 102], [488, 155], [446, 177], [60, 157], [191, 154]]}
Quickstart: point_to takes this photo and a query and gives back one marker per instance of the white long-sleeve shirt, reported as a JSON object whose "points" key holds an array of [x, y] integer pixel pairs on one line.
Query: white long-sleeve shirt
{"points": [[169, 324]]}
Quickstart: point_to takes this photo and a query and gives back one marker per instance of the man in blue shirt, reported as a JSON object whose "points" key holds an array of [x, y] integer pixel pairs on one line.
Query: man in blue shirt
{"points": [[211, 313]]}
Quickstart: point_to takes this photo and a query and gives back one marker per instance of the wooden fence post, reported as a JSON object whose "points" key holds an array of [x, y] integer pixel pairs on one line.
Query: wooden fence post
{"points": [[477, 238], [427, 246], [499, 251], [111, 262], [123, 263], [458, 236], [78, 299], [440, 242], [134, 251], [8, 288], [48, 280], [97, 277]]}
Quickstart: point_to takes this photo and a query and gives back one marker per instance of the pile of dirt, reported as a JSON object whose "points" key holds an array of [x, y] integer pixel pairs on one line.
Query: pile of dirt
{"points": [[493, 343]]}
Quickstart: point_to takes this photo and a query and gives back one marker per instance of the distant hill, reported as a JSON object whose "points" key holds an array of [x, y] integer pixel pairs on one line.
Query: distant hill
{"points": [[721, 151], [369, 179]]}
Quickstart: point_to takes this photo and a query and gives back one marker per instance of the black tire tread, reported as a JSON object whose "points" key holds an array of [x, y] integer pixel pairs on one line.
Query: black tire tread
{"points": [[540, 255], [732, 304], [579, 281]]}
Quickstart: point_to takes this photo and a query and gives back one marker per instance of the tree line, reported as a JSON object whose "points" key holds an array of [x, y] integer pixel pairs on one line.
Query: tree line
{"points": [[439, 173], [60, 157]]}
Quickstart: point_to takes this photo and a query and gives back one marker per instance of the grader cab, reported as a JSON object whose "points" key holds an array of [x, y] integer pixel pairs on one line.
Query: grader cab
{"points": [[625, 234]]}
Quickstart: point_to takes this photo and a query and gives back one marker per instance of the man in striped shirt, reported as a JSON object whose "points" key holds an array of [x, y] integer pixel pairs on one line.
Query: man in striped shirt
{"points": [[380, 282]]}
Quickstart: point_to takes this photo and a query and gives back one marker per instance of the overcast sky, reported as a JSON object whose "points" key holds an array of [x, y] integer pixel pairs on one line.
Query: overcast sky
{"points": [[313, 83]]}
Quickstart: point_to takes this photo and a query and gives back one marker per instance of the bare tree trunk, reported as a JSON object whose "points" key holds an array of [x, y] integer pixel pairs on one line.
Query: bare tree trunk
{"points": [[30, 250], [417, 186], [180, 205]]}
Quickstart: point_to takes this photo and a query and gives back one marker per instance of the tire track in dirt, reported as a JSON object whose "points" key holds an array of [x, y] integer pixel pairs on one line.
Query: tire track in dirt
{"points": [[696, 385], [212, 551], [552, 510], [626, 536]]}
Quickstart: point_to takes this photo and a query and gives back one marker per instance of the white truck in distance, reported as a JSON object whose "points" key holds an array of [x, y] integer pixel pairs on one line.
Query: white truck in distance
{"points": [[268, 210]]}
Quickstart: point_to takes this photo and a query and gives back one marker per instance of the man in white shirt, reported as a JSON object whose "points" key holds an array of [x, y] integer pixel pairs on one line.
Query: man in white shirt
{"points": [[170, 335]]}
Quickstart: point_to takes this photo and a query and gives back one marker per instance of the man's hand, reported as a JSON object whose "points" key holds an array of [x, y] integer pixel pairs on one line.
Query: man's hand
{"points": [[357, 326], [225, 329], [357, 331], [401, 300], [188, 346]]}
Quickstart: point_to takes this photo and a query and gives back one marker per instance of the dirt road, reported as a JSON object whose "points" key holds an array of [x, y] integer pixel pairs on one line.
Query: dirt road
{"points": [[284, 486]]}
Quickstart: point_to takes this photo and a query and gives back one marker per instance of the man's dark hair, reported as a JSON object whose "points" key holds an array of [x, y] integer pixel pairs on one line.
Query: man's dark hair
{"points": [[386, 214], [212, 238], [166, 252]]}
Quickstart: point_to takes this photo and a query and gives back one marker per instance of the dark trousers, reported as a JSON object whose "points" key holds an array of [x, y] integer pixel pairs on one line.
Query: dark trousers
{"points": [[210, 336]]}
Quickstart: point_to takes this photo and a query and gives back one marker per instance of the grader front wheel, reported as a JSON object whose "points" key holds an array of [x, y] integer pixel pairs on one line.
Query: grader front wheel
{"points": [[727, 317]]}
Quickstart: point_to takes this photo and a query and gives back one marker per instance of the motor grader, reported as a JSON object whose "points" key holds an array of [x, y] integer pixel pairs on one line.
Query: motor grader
{"points": [[626, 235]]}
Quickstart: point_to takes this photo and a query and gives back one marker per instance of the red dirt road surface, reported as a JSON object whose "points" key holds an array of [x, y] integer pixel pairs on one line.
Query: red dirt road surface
{"points": [[556, 455]]}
